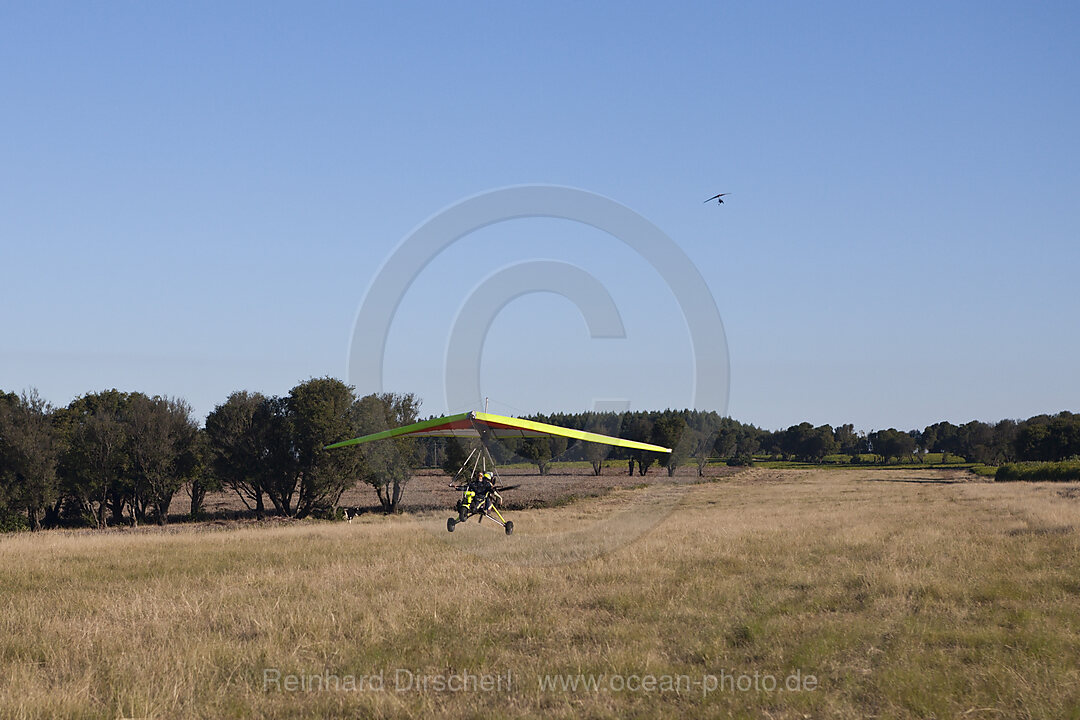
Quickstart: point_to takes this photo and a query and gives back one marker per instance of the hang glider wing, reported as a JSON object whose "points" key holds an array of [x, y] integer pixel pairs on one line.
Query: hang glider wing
{"points": [[478, 424]]}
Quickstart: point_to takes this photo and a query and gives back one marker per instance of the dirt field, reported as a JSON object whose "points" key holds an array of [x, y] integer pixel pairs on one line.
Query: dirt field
{"points": [[770, 593], [428, 490]]}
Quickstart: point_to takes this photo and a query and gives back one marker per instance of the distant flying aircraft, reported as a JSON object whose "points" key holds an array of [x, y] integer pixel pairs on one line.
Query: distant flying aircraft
{"points": [[718, 198]]}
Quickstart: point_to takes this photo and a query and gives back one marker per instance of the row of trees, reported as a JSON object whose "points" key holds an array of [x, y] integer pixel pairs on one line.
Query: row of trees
{"points": [[1039, 438], [120, 458], [697, 436], [102, 454], [273, 448]]}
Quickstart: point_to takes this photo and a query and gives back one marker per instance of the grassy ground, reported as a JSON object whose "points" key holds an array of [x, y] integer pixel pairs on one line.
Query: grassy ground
{"points": [[903, 593], [929, 460], [428, 489]]}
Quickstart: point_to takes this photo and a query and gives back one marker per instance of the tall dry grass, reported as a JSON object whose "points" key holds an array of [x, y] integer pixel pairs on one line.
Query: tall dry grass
{"points": [[902, 596]]}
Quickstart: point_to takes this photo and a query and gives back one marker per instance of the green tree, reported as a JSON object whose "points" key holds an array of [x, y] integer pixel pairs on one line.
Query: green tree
{"points": [[670, 431], [942, 437], [704, 445], [95, 463], [976, 441], [322, 412], [162, 444], [704, 433], [727, 440], [848, 441], [387, 465], [202, 479], [29, 453], [1003, 448], [892, 443], [640, 428], [8, 401], [238, 433], [540, 451], [454, 456], [278, 462], [606, 423], [748, 442], [817, 443], [536, 450]]}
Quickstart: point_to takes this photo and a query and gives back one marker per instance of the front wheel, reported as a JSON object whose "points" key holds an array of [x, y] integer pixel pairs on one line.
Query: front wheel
{"points": [[450, 523], [509, 527]]}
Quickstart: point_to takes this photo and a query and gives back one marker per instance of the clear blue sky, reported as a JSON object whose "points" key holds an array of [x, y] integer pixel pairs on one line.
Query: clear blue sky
{"points": [[194, 197]]}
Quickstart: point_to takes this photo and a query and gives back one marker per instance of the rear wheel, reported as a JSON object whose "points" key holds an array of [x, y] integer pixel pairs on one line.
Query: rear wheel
{"points": [[509, 527], [450, 523]]}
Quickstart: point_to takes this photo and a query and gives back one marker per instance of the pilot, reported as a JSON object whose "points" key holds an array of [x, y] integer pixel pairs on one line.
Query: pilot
{"points": [[485, 490], [474, 489], [470, 493]]}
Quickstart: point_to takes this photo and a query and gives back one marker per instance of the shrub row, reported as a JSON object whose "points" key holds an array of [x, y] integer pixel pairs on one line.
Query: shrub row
{"points": [[1068, 471]]}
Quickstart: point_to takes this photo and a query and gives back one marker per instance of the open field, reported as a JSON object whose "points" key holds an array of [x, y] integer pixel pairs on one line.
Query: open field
{"points": [[428, 489], [902, 593]]}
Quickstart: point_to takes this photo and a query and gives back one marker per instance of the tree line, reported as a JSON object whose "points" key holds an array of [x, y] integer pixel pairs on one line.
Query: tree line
{"points": [[120, 458], [696, 436], [1039, 438]]}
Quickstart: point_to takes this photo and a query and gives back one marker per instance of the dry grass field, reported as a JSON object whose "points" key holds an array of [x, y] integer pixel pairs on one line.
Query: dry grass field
{"points": [[771, 593], [428, 489]]}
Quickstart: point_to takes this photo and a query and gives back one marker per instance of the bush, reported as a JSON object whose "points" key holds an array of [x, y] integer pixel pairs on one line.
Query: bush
{"points": [[740, 461], [11, 521], [1037, 471]]}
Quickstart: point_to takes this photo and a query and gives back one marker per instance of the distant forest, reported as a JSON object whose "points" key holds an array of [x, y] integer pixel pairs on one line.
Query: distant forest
{"points": [[120, 458]]}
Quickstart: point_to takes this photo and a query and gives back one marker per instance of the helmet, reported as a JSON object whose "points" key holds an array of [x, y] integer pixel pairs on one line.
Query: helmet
{"points": [[488, 476]]}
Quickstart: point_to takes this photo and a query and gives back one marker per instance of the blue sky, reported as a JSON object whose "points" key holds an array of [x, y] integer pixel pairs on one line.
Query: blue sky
{"points": [[194, 198]]}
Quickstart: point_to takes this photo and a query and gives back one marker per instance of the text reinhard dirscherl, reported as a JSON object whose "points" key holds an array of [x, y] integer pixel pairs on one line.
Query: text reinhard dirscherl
{"points": [[401, 680]]}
